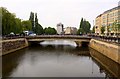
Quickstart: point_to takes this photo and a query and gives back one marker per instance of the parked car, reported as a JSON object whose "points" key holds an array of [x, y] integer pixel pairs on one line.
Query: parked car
{"points": [[32, 34]]}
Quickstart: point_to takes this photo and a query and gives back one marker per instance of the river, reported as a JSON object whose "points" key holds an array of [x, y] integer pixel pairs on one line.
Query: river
{"points": [[58, 59]]}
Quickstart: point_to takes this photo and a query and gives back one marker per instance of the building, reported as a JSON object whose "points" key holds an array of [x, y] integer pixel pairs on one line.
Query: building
{"points": [[60, 28], [98, 24], [119, 3], [70, 30], [106, 20]]}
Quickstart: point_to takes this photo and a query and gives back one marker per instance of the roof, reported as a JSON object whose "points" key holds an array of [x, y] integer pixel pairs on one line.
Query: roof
{"points": [[115, 8]]}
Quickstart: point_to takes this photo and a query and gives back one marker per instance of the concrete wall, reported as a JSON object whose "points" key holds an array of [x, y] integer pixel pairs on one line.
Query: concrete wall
{"points": [[12, 45], [112, 51], [105, 64]]}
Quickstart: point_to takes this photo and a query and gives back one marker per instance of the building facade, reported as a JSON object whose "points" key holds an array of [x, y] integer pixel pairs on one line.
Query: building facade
{"points": [[106, 20], [60, 28], [70, 30]]}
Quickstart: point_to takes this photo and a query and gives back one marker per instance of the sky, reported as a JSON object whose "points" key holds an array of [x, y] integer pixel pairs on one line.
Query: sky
{"points": [[52, 12]]}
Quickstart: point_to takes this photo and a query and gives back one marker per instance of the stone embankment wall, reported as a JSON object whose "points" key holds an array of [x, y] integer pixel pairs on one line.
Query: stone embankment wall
{"points": [[112, 51], [12, 45]]}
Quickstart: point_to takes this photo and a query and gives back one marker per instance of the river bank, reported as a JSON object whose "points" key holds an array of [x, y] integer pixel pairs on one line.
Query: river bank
{"points": [[107, 49]]}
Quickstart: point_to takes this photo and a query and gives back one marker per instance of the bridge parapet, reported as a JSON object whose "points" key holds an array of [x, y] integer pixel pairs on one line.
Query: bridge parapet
{"points": [[79, 40], [58, 37]]}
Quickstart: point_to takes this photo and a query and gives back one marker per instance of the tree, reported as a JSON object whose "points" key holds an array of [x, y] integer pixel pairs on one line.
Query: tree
{"points": [[102, 30], [32, 20], [81, 23], [50, 31], [18, 26], [9, 22], [26, 25], [12, 24], [93, 29], [38, 28], [80, 31], [115, 27], [84, 27]]}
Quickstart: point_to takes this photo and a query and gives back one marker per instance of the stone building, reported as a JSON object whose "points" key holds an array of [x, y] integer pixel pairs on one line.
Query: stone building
{"points": [[60, 28], [70, 30], [106, 20]]}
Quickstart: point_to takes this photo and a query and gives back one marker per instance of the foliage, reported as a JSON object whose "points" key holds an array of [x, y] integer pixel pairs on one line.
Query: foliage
{"points": [[93, 29], [38, 29], [50, 31], [80, 31], [81, 23], [26, 25], [12, 24], [32, 20], [116, 27], [84, 27], [102, 30], [9, 22]]}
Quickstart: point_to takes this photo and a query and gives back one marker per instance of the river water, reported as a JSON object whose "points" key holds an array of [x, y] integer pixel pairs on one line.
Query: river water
{"points": [[58, 59]]}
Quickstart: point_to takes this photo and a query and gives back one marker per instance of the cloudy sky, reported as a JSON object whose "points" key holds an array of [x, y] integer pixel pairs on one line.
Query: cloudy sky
{"points": [[51, 12]]}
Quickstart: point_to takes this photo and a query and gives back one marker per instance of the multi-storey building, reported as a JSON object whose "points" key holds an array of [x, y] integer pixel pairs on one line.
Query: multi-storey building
{"points": [[60, 28], [70, 30], [106, 20]]}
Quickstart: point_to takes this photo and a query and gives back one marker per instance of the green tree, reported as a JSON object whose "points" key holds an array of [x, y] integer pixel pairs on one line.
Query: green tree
{"points": [[102, 30], [32, 20], [38, 28], [80, 31], [26, 25], [84, 27], [50, 31], [81, 23], [8, 22], [93, 29], [18, 26], [116, 27]]}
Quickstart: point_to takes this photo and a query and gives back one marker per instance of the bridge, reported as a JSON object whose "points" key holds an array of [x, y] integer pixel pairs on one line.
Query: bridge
{"points": [[79, 40]]}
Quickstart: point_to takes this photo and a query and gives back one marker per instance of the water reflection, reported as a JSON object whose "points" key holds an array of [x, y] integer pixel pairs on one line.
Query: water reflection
{"points": [[53, 60], [106, 65]]}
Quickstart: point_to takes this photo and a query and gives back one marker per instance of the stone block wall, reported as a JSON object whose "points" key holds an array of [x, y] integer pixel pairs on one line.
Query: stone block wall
{"points": [[12, 45], [112, 51]]}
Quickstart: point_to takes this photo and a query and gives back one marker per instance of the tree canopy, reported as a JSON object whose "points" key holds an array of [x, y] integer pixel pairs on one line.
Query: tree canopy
{"points": [[10, 23], [84, 27], [36, 27], [102, 30], [50, 31]]}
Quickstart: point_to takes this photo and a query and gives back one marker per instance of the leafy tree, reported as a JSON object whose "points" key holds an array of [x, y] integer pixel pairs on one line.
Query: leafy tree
{"points": [[80, 31], [50, 31], [38, 28], [116, 27], [81, 23], [26, 25], [9, 22], [0, 21], [93, 29], [84, 27], [18, 25], [102, 29], [32, 20]]}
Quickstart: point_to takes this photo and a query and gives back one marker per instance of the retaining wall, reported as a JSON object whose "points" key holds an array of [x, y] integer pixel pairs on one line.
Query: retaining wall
{"points": [[12, 45], [112, 51]]}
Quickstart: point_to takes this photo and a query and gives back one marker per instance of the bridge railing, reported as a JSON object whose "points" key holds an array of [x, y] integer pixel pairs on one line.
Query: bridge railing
{"points": [[12, 37], [112, 39]]}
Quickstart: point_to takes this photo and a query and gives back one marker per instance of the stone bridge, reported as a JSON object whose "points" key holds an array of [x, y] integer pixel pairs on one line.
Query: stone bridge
{"points": [[79, 40]]}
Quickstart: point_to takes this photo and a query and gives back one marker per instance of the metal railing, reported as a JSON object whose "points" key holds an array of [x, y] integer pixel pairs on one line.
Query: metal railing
{"points": [[110, 39]]}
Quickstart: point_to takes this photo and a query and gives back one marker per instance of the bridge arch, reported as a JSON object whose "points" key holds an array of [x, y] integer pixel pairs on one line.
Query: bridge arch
{"points": [[79, 40]]}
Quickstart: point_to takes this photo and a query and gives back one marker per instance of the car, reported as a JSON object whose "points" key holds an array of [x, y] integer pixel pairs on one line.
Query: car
{"points": [[32, 34]]}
